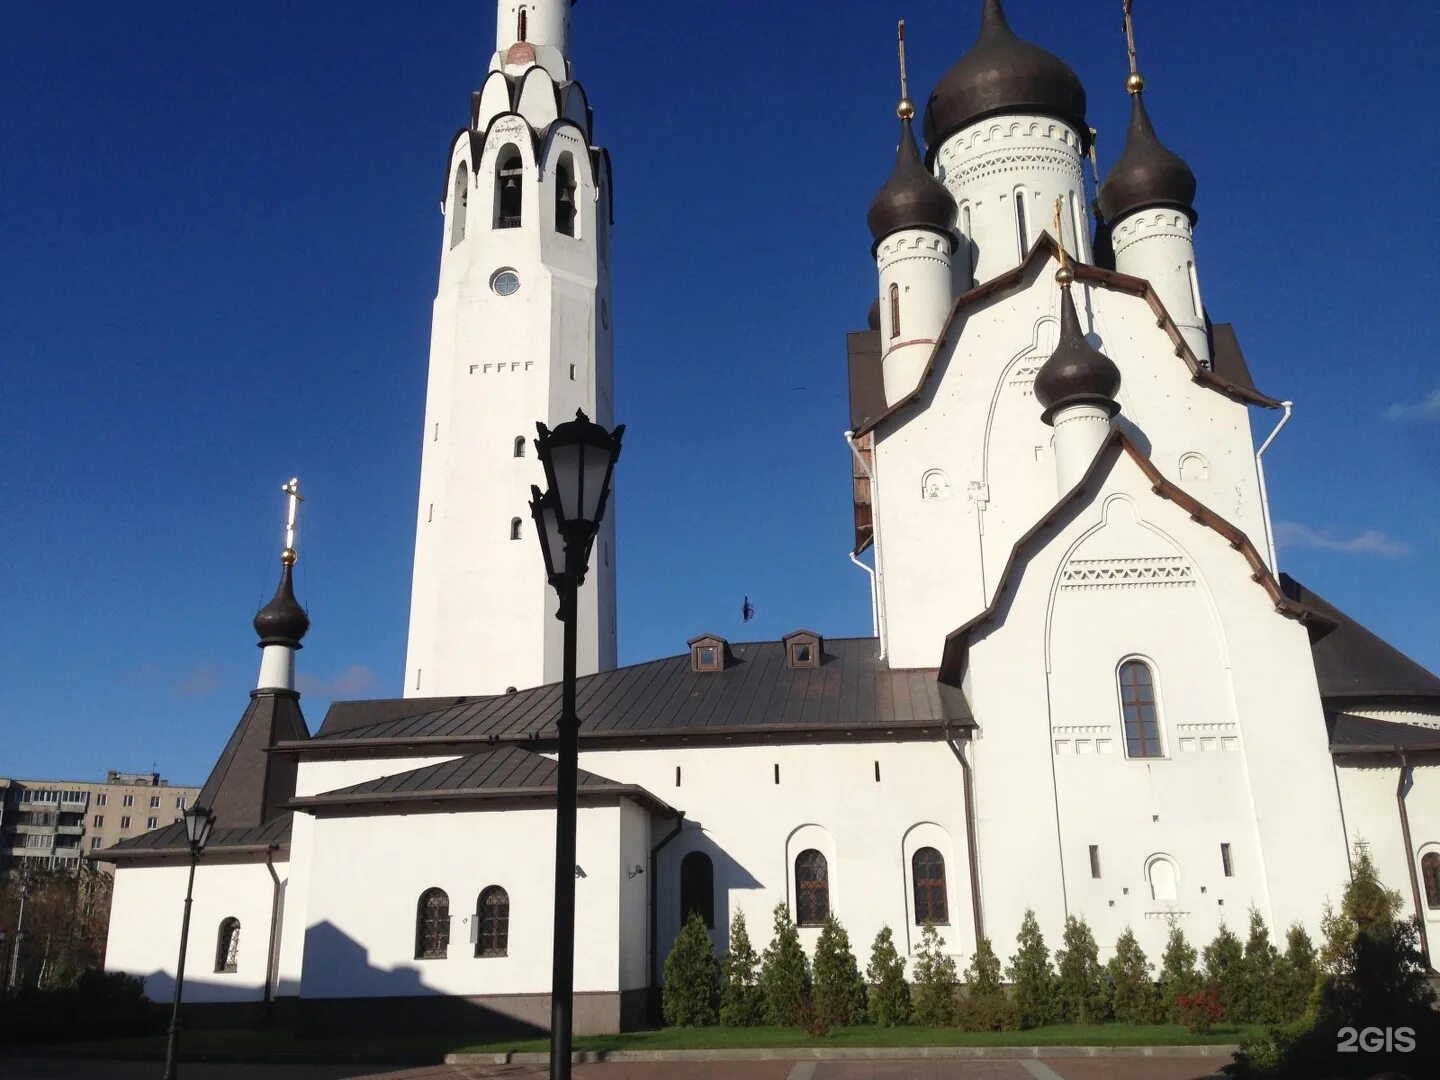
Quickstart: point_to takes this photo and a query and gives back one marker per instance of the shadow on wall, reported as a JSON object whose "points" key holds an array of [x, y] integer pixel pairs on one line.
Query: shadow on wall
{"points": [[728, 875]]}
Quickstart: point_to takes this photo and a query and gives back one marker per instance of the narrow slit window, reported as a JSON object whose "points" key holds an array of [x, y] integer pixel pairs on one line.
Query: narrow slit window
{"points": [[877, 772], [1077, 222], [1094, 860], [777, 772], [1225, 862], [565, 211], [509, 196], [1021, 228], [514, 528], [572, 372], [969, 240], [894, 310], [520, 27], [677, 775], [227, 947], [519, 445], [459, 201], [1194, 286]]}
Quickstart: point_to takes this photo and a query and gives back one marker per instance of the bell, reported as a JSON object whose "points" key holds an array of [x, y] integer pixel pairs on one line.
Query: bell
{"points": [[567, 196], [511, 183]]}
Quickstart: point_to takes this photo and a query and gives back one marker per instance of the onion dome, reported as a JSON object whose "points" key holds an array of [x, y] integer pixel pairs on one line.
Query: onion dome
{"points": [[1002, 74], [283, 621], [911, 198], [1077, 373], [875, 314], [1146, 174]]}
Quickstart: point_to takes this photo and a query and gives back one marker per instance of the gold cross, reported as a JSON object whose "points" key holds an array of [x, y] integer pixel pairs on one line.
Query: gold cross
{"points": [[292, 511]]}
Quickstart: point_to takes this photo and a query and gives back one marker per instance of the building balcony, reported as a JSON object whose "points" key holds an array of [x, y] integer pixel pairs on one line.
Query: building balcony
{"points": [[70, 830]]}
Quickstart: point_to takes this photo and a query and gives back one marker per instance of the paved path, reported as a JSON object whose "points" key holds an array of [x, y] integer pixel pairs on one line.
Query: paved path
{"points": [[1092, 1068]]}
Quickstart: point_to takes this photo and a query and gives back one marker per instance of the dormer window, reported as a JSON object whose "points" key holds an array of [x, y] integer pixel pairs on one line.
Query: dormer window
{"points": [[803, 649], [708, 653]]}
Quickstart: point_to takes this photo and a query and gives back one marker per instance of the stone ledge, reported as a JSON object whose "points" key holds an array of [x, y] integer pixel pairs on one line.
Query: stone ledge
{"points": [[854, 1053]]}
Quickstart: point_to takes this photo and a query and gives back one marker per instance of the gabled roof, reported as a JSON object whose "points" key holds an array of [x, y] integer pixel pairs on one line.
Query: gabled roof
{"points": [[1351, 662], [274, 835], [957, 643], [505, 772], [1044, 248], [1350, 734], [758, 697]]}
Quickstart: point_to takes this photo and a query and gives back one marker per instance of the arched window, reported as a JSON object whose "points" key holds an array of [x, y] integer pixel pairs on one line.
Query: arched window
{"points": [[1137, 703], [227, 946], [930, 900], [565, 215], [519, 445], [514, 528], [432, 925], [492, 922], [1160, 872], [697, 887], [1021, 226], [1430, 871], [894, 310], [968, 238], [520, 27], [812, 888], [509, 199], [459, 200]]}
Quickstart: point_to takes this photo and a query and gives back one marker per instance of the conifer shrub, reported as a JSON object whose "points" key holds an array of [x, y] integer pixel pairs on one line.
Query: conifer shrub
{"points": [[1297, 971], [1032, 979], [839, 993], [1134, 997], [1178, 974], [1081, 996], [1225, 969], [690, 994], [984, 1005], [741, 1004], [784, 973], [1261, 998], [889, 996], [936, 994]]}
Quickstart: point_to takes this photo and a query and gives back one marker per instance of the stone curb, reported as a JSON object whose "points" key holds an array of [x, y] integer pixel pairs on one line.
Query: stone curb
{"points": [[855, 1053]]}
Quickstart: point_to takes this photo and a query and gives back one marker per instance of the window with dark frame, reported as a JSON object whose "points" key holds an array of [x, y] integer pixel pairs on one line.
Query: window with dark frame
{"points": [[812, 888], [800, 651], [432, 925], [894, 310], [931, 903], [509, 198], [492, 918], [459, 202], [565, 196], [1094, 860], [519, 445], [1225, 860], [1430, 871], [227, 946], [697, 888], [1137, 704], [514, 528]]}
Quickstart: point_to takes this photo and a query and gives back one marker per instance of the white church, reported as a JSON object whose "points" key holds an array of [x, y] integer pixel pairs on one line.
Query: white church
{"points": [[1089, 691]]}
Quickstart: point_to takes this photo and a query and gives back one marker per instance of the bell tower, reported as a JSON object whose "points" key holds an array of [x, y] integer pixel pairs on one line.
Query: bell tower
{"points": [[521, 332]]}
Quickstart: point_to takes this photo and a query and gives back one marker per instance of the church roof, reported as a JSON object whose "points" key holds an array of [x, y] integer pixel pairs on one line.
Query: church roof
{"points": [[248, 785], [170, 839], [759, 697], [1350, 734], [1351, 662], [503, 772], [1233, 383]]}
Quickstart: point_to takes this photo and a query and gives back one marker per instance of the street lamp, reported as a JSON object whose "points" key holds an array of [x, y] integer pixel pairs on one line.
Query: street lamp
{"points": [[579, 458], [198, 823], [14, 985]]}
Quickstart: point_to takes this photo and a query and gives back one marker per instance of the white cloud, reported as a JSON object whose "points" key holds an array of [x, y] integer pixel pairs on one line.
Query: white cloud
{"points": [[1427, 408], [355, 679], [1370, 542], [203, 681]]}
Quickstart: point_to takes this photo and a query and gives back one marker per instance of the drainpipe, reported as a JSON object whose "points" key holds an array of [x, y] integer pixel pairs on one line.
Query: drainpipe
{"points": [[972, 843], [877, 615], [1410, 857], [1289, 407], [655, 900], [274, 930]]}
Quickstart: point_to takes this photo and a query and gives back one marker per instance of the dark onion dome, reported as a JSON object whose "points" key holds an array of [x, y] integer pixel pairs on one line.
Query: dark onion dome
{"points": [[911, 198], [1077, 373], [1002, 74], [282, 621], [1146, 173], [875, 314]]}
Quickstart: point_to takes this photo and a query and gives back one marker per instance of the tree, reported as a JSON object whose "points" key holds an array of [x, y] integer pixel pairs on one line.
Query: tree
{"points": [[889, 996], [1134, 997], [689, 996], [1225, 969], [1262, 993], [839, 993], [937, 981], [67, 916], [982, 977], [740, 1001], [1177, 972], [1080, 996], [784, 972], [1032, 980], [984, 1006], [1296, 973]]}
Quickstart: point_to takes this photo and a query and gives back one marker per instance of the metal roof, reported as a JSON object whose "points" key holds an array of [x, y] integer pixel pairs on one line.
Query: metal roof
{"points": [[1350, 734], [170, 840], [757, 693]]}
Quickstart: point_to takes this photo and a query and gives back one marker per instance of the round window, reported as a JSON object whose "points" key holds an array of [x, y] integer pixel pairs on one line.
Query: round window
{"points": [[505, 282]]}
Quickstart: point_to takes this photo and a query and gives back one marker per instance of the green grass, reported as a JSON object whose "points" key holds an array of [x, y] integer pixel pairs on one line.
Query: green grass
{"points": [[287, 1044]]}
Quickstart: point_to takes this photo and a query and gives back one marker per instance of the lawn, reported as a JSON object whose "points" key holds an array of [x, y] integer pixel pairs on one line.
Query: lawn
{"points": [[285, 1044]]}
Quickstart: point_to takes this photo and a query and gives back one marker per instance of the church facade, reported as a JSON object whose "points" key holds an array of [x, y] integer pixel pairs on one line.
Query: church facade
{"points": [[1090, 691]]}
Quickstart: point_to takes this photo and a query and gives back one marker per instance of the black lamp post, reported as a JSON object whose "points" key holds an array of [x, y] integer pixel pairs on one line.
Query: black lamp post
{"points": [[14, 985], [198, 823], [579, 458]]}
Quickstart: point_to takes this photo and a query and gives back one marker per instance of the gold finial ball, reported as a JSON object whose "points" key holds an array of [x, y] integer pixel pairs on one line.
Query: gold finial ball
{"points": [[288, 556], [906, 109], [1134, 83], [1064, 276]]}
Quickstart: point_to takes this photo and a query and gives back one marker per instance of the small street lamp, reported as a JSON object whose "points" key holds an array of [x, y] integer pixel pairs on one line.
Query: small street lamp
{"points": [[579, 459], [198, 823], [14, 984]]}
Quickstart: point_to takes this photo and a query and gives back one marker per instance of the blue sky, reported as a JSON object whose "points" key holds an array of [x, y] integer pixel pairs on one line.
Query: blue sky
{"points": [[220, 239]]}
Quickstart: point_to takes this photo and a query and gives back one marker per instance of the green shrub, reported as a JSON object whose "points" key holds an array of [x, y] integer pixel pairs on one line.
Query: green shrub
{"points": [[1177, 973], [1262, 991], [1032, 979], [95, 1005], [740, 1001], [1225, 969], [1080, 988], [690, 994], [1134, 997], [889, 996], [982, 977], [784, 973], [937, 982], [1296, 973], [839, 993], [984, 1006]]}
